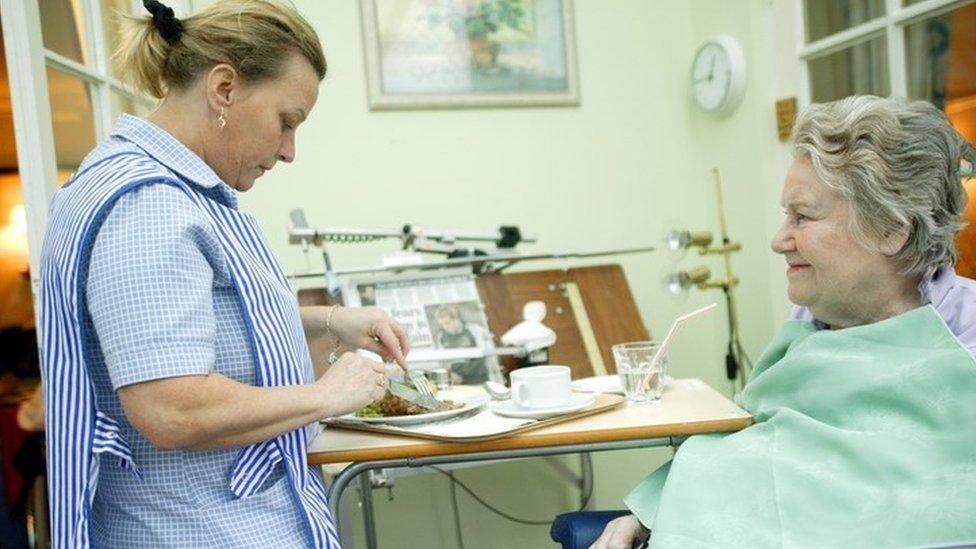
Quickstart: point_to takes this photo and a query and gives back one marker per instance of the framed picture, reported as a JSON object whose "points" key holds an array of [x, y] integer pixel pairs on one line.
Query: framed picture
{"points": [[469, 53]]}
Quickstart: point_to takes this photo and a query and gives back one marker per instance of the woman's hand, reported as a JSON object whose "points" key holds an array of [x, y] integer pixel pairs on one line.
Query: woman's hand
{"points": [[205, 412], [351, 383], [624, 533], [372, 329]]}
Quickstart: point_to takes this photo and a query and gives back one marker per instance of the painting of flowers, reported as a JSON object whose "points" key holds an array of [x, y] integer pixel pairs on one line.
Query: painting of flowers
{"points": [[469, 53]]}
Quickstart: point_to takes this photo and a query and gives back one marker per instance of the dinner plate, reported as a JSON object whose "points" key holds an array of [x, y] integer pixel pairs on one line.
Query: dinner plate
{"points": [[471, 403], [508, 408], [599, 384]]}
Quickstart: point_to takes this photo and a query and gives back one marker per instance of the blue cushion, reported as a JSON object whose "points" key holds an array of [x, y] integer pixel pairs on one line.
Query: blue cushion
{"points": [[580, 529]]}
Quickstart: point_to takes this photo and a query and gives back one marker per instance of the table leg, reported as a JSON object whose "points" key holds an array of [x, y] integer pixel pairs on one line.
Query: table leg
{"points": [[342, 480], [586, 481], [366, 498]]}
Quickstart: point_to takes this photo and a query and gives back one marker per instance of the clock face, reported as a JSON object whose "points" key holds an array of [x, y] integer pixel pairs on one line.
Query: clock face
{"points": [[711, 76]]}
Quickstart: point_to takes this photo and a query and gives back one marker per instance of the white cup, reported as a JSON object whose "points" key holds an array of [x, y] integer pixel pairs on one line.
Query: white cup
{"points": [[539, 387]]}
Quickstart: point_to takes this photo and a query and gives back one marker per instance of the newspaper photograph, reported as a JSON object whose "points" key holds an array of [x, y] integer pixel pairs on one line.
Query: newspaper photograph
{"points": [[440, 313]]}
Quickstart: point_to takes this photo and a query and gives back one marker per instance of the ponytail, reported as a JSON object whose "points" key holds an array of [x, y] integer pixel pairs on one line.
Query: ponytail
{"points": [[256, 37], [141, 56]]}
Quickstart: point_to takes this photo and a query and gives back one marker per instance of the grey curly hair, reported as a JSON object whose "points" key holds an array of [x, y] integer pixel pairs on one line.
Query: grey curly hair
{"points": [[899, 164]]}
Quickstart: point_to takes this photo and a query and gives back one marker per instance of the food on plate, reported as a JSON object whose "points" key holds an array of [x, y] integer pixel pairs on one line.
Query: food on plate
{"points": [[392, 405]]}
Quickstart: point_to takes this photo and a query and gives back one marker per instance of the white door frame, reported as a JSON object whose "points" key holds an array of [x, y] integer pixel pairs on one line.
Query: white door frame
{"points": [[33, 130], [27, 64]]}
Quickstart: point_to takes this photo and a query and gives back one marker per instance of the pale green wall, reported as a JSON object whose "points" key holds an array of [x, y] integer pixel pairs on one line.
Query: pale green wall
{"points": [[745, 148], [614, 172]]}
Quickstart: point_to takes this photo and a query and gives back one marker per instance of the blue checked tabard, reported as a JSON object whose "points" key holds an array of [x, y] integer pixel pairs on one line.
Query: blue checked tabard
{"points": [[141, 172]]}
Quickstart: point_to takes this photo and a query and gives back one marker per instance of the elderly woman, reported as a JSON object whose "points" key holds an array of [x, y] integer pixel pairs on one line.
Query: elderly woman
{"points": [[864, 404], [180, 388]]}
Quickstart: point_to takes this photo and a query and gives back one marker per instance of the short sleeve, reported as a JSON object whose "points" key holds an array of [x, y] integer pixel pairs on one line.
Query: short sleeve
{"points": [[149, 290]]}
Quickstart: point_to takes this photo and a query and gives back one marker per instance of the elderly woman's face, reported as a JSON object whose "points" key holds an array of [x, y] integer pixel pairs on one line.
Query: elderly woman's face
{"points": [[838, 279], [262, 121]]}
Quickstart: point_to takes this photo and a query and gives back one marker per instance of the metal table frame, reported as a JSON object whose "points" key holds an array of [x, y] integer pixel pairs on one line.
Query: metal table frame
{"points": [[362, 468]]}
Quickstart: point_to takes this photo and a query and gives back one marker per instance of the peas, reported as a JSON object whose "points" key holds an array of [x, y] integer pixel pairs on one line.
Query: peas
{"points": [[369, 411]]}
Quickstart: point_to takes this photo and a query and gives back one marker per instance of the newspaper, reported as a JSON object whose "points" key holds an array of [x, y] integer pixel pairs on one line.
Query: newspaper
{"points": [[439, 312]]}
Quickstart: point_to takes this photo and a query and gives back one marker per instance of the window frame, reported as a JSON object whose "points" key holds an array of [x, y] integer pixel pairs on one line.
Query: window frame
{"points": [[892, 25], [27, 64], [97, 76]]}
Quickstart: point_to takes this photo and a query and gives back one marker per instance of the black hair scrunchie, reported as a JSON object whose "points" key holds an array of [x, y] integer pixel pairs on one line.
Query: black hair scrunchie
{"points": [[169, 27]]}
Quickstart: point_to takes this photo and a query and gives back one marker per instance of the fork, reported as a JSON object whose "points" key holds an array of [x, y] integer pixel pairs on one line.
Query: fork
{"points": [[423, 385]]}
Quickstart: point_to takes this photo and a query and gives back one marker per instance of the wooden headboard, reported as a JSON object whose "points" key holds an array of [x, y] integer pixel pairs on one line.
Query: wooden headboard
{"points": [[590, 309]]}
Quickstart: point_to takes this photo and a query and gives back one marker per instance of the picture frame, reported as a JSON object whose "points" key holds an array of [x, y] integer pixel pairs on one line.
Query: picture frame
{"points": [[428, 54]]}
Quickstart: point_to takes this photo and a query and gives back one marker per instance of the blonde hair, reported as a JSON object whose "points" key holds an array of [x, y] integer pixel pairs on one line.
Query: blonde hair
{"points": [[256, 37]]}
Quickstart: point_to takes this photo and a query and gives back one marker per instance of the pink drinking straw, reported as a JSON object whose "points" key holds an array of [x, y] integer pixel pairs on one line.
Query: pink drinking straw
{"points": [[667, 339]]}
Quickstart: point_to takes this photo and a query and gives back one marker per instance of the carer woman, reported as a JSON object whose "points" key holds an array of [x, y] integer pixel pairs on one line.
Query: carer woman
{"points": [[180, 389]]}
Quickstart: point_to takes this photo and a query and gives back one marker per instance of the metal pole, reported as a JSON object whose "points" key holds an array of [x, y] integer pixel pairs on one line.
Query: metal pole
{"points": [[366, 498], [586, 481], [730, 289], [464, 261]]}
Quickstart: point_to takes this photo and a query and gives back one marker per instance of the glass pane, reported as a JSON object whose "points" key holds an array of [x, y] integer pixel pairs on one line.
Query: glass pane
{"points": [[940, 62], [826, 17], [17, 310], [71, 114], [113, 12], [63, 28], [122, 103], [860, 69], [8, 145]]}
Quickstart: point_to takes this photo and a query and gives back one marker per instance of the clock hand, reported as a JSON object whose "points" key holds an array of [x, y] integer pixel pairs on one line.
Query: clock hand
{"points": [[711, 68]]}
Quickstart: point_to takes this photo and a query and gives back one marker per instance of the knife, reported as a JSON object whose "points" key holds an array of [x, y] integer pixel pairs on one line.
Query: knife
{"points": [[413, 396]]}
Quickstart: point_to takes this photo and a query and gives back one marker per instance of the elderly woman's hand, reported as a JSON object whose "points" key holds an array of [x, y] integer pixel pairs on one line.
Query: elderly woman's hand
{"points": [[372, 329], [623, 533]]}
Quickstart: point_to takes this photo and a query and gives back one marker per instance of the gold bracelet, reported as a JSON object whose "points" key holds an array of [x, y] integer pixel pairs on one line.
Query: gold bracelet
{"points": [[334, 354]]}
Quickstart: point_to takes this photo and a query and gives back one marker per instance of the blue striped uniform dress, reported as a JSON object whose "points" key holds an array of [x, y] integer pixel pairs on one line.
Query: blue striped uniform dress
{"points": [[108, 486]]}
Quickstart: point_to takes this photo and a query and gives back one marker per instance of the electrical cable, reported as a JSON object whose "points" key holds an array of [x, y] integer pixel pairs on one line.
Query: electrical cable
{"points": [[456, 510], [733, 366], [742, 352], [487, 505], [495, 510]]}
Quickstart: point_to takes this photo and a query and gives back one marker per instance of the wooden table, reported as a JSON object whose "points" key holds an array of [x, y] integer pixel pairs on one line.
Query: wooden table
{"points": [[687, 407]]}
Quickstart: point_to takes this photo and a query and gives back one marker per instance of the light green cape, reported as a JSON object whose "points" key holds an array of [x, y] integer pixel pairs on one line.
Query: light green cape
{"points": [[864, 437]]}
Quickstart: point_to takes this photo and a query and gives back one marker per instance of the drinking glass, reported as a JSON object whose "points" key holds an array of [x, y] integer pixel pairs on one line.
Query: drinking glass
{"points": [[641, 379]]}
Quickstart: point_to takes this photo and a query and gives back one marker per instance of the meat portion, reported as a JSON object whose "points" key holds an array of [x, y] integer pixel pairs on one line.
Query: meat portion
{"points": [[392, 405]]}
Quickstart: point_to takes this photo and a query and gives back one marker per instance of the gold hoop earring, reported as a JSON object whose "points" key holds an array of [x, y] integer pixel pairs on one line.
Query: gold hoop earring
{"points": [[221, 121]]}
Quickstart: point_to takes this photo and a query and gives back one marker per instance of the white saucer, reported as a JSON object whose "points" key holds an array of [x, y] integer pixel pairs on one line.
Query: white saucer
{"points": [[599, 384], [508, 408]]}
